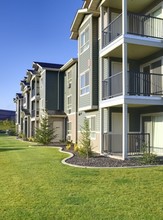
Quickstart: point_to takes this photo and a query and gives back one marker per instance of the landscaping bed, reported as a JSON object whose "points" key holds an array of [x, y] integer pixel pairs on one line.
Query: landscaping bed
{"points": [[106, 161]]}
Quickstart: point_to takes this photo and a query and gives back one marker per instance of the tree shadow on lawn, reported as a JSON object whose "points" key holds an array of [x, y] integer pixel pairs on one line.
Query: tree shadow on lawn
{"points": [[3, 149]]}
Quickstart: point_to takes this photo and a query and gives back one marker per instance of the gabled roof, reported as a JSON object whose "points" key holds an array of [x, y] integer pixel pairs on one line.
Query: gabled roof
{"points": [[32, 71], [24, 82], [89, 7], [67, 65], [48, 65], [19, 95]]}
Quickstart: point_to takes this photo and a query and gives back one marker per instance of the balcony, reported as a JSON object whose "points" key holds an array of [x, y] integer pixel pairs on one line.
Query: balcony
{"points": [[141, 25], [139, 84], [34, 113], [137, 143]]}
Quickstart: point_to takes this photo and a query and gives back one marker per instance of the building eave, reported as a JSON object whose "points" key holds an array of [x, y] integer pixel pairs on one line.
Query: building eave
{"points": [[79, 18], [67, 65], [77, 22]]}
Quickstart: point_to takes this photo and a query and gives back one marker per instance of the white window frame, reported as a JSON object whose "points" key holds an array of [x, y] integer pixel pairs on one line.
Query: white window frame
{"points": [[84, 43], [69, 78], [69, 128], [92, 127], [69, 104], [84, 89]]}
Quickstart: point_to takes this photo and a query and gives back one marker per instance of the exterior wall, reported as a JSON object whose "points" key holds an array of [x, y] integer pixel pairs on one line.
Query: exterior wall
{"points": [[96, 139], [58, 124], [88, 61], [42, 91], [72, 118], [71, 90], [54, 90]]}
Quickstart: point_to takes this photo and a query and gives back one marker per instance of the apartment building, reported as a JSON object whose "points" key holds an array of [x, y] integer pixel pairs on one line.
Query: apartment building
{"points": [[71, 99], [120, 74], [116, 82], [18, 100], [42, 90]]}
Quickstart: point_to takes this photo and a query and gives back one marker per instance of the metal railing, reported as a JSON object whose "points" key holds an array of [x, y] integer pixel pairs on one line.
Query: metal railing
{"points": [[112, 31], [146, 84], [112, 86], [33, 92], [112, 143], [34, 113], [137, 143], [139, 83], [143, 25]]}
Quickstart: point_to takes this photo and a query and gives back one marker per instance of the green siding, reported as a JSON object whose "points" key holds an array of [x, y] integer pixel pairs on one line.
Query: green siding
{"points": [[84, 60], [82, 116], [89, 60], [73, 90], [95, 59], [52, 88]]}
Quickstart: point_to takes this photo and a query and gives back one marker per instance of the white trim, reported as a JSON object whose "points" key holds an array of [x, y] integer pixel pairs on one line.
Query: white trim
{"points": [[89, 117], [85, 108], [86, 45], [69, 105], [85, 21], [88, 86]]}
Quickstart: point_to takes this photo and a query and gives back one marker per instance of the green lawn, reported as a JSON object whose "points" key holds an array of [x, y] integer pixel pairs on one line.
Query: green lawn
{"points": [[34, 184]]}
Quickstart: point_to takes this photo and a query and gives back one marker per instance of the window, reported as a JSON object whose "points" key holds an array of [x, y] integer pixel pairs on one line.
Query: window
{"points": [[92, 126], [69, 79], [84, 83], [84, 40], [69, 103], [69, 125]]}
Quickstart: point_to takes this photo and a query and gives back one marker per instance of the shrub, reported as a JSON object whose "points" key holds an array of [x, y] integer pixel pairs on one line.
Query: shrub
{"points": [[45, 134], [68, 146], [31, 139], [148, 158], [85, 148], [76, 148]]}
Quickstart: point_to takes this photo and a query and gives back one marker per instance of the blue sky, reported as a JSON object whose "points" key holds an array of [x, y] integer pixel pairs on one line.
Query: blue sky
{"points": [[32, 30]]}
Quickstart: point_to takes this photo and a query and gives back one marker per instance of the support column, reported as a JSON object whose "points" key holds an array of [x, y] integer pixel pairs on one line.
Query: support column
{"points": [[101, 130], [124, 17], [124, 82], [125, 131]]}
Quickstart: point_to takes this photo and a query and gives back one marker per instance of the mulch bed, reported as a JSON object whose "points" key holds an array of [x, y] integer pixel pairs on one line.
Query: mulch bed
{"points": [[103, 161]]}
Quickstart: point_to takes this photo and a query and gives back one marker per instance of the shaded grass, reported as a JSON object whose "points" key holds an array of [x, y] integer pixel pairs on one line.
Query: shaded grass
{"points": [[35, 185]]}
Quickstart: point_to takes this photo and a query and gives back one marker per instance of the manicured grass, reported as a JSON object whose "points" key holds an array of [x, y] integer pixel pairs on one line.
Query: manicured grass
{"points": [[34, 184]]}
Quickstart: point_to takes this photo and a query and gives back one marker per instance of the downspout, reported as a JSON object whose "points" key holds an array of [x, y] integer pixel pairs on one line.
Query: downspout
{"points": [[77, 102], [58, 105]]}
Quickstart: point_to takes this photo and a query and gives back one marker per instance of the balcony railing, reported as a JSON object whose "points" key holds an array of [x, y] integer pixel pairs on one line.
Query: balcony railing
{"points": [[139, 83], [146, 84], [137, 143], [112, 86], [143, 25], [35, 113], [112, 31], [33, 92]]}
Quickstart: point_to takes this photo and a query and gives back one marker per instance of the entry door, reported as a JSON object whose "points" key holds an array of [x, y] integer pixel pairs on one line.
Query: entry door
{"points": [[58, 126]]}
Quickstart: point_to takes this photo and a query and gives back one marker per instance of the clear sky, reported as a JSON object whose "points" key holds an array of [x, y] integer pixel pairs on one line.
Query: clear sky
{"points": [[32, 30]]}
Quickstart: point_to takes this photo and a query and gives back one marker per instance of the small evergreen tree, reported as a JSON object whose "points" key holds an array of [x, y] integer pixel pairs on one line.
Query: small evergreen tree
{"points": [[85, 141], [44, 134]]}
